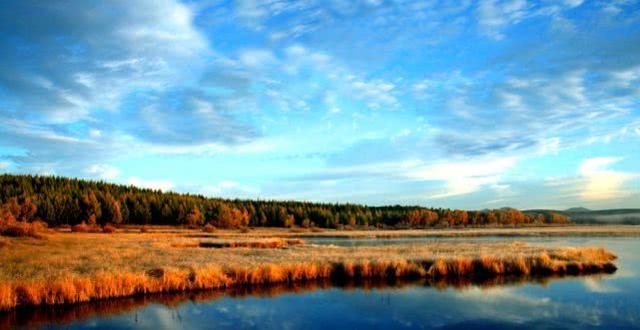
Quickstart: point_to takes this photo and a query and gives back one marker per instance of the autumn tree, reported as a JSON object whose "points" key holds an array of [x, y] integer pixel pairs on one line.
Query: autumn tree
{"points": [[194, 217]]}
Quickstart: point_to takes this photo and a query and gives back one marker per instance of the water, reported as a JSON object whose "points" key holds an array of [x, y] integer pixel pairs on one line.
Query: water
{"points": [[603, 301]]}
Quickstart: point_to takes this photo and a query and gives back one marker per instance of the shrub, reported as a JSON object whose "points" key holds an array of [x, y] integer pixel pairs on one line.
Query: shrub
{"points": [[209, 228], [108, 229], [39, 225], [144, 229], [20, 229], [80, 228]]}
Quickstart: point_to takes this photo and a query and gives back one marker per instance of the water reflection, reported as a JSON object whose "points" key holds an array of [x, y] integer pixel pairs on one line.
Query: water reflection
{"points": [[169, 306], [597, 301]]}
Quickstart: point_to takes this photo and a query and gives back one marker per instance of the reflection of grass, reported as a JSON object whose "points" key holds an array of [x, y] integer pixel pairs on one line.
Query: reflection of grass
{"points": [[62, 315], [259, 244], [78, 267]]}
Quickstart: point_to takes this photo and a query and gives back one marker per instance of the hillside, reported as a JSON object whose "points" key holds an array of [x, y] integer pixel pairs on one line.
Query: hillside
{"points": [[581, 215]]}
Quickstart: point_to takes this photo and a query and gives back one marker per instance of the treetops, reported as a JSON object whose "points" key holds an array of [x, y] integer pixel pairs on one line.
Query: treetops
{"points": [[65, 201]]}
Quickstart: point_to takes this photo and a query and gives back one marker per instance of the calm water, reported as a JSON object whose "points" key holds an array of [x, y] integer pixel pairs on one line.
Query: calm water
{"points": [[606, 301]]}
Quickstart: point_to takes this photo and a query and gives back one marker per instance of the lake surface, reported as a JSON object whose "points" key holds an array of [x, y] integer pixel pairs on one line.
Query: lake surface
{"points": [[602, 301]]}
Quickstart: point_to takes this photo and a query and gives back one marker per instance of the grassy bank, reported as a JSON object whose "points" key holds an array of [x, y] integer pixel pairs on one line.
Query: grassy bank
{"points": [[67, 268]]}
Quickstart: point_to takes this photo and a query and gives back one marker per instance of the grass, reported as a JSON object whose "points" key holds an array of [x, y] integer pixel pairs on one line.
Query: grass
{"points": [[79, 267]]}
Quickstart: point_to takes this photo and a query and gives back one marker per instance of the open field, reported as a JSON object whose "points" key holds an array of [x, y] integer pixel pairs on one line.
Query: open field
{"points": [[77, 267]]}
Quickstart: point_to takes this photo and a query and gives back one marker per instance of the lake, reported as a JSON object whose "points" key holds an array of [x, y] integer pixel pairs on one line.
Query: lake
{"points": [[602, 301]]}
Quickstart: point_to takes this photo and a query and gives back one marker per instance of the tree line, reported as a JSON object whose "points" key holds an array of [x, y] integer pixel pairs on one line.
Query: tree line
{"points": [[66, 201]]}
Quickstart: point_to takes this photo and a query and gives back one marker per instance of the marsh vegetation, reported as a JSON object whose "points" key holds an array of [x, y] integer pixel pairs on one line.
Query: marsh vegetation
{"points": [[63, 268]]}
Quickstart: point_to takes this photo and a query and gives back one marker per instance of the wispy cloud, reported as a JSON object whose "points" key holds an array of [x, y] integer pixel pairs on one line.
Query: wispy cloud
{"points": [[602, 183], [164, 185]]}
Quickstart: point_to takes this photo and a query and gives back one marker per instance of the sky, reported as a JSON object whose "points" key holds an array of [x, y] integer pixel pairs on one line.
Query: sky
{"points": [[460, 104]]}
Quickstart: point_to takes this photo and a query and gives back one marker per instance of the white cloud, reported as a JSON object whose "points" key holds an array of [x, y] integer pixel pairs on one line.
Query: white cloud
{"points": [[256, 58], [95, 133], [600, 182], [376, 93], [550, 146], [252, 147], [421, 88], [4, 165], [164, 185], [103, 171], [573, 3], [226, 188], [463, 176], [494, 15], [125, 46]]}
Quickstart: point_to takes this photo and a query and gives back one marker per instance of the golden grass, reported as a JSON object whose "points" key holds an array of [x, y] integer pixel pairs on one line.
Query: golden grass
{"points": [[80, 267]]}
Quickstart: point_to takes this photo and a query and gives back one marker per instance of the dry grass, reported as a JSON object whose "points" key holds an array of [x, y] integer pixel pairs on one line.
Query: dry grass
{"points": [[79, 267]]}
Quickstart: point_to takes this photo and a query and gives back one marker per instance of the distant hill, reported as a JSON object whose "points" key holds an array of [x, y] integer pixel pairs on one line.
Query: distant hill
{"points": [[581, 215], [577, 209]]}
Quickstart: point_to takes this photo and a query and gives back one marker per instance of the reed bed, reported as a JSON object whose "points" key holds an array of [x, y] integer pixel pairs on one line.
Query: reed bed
{"points": [[81, 267]]}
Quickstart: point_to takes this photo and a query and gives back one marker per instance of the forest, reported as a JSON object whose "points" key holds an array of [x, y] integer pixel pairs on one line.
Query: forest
{"points": [[60, 201]]}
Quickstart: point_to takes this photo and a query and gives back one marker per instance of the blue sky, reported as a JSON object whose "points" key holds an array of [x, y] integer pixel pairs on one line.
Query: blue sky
{"points": [[465, 104]]}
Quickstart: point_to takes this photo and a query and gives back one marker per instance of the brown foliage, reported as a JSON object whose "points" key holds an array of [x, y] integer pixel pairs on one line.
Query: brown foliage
{"points": [[13, 228], [108, 229], [209, 228], [81, 228], [230, 217]]}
